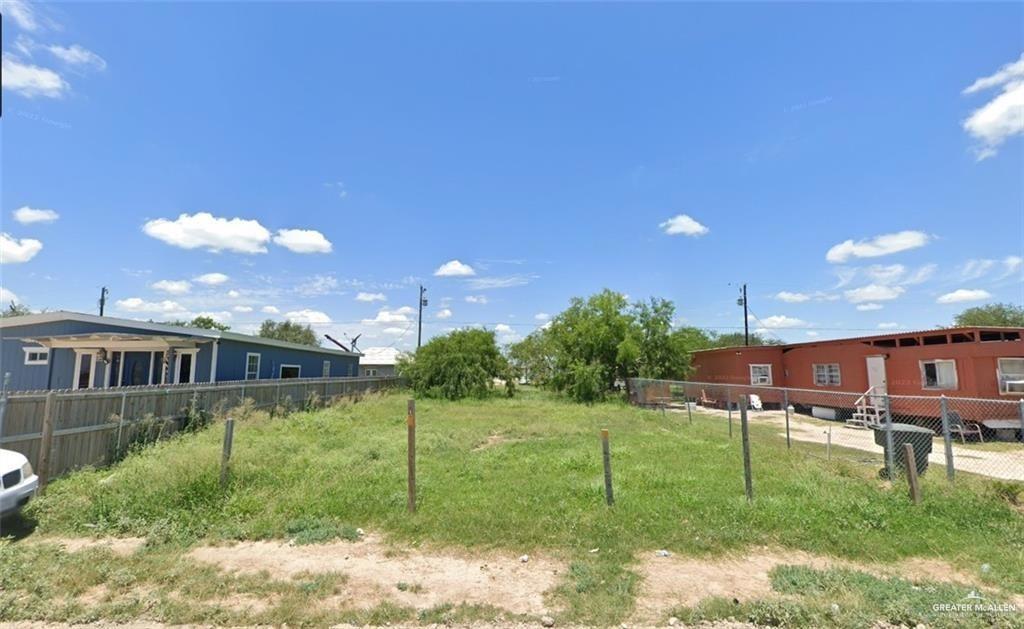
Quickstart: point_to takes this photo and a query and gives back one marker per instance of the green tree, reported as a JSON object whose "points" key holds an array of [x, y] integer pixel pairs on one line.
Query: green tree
{"points": [[463, 363], [289, 331], [15, 309], [204, 322], [1009, 315], [532, 358], [735, 339]]}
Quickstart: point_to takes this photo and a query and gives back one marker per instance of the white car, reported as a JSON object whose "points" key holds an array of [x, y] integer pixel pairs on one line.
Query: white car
{"points": [[18, 482]]}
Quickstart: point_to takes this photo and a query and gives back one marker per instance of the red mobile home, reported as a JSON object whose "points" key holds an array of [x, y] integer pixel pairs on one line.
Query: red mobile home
{"points": [[972, 362]]}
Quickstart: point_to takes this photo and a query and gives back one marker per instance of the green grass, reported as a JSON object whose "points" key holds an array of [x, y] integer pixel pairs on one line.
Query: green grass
{"points": [[535, 486]]}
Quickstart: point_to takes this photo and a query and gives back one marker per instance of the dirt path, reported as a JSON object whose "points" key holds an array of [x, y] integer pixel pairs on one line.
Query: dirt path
{"points": [[1007, 465], [376, 572]]}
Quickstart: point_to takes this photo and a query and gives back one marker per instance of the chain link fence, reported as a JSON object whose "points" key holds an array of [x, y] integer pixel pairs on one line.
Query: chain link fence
{"points": [[948, 435]]}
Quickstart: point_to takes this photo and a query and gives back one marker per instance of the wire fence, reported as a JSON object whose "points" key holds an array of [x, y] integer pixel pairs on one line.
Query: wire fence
{"points": [[949, 435], [59, 431]]}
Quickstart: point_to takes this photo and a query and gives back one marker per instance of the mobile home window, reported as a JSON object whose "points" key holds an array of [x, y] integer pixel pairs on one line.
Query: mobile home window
{"points": [[252, 366], [938, 374], [761, 374], [371, 372], [36, 355], [289, 371], [827, 375], [1011, 375], [327, 369]]}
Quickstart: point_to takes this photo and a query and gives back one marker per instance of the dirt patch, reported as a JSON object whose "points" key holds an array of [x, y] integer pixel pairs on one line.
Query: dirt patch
{"points": [[374, 573], [494, 440], [94, 595], [685, 581], [118, 545]]}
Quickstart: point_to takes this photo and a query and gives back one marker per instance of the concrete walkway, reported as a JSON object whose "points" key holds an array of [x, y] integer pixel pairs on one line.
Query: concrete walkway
{"points": [[1004, 465]]}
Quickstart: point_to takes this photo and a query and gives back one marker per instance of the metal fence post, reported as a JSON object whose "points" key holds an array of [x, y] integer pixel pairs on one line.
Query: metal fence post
{"points": [[120, 422], [410, 422], [785, 405], [1022, 421], [728, 405], [689, 410], [748, 482], [3, 403], [947, 437], [889, 454], [606, 457], [46, 441], [225, 455]]}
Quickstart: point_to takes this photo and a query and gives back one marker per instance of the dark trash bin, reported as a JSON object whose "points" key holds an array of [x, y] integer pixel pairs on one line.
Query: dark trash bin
{"points": [[918, 436]]}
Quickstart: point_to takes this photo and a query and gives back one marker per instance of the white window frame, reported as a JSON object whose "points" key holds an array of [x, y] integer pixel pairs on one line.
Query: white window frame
{"points": [[281, 369], [999, 375], [45, 351], [828, 374], [327, 369], [370, 372], [78, 367], [924, 379], [191, 365], [764, 384], [259, 364]]}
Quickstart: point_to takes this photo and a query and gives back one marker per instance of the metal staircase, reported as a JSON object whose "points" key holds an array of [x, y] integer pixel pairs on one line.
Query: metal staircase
{"points": [[867, 413]]}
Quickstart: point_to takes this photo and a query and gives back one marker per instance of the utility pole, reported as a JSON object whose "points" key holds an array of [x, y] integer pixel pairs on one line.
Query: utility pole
{"points": [[423, 302], [742, 301], [103, 299]]}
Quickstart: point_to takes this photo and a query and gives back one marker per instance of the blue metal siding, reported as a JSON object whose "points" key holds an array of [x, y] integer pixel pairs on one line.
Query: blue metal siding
{"points": [[231, 360]]}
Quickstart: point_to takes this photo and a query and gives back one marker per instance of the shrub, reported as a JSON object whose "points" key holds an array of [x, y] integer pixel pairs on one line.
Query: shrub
{"points": [[461, 364]]}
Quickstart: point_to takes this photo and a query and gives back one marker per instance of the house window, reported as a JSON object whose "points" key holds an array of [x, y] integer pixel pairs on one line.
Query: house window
{"points": [[761, 374], [827, 375], [938, 374], [252, 366], [370, 372], [327, 369], [36, 355], [1011, 375], [289, 371]]}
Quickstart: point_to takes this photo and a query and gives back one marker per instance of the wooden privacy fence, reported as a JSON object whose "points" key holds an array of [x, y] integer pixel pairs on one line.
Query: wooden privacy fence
{"points": [[91, 427]]}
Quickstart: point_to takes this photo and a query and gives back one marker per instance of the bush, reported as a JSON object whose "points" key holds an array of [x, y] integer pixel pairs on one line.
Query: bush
{"points": [[458, 365]]}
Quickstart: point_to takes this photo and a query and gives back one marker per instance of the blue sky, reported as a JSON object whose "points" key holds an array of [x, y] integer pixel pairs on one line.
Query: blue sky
{"points": [[859, 166]]}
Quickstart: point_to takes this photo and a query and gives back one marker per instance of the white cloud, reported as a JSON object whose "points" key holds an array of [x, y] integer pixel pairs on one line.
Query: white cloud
{"points": [[137, 304], [487, 283], [172, 287], [27, 215], [78, 56], [1012, 265], [792, 298], [318, 285], [973, 269], [886, 273], [234, 294], [873, 292], [962, 295], [371, 297], [888, 326], [868, 307], [15, 251], [444, 313], [1003, 116], [921, 274], [272, 310], [242, 308], [220, 316], [213, 233], [303, 241], [503, 328], [454, 268], [22, 13], [476, 299], [683, 224], [7, 297], [881, 245], [811, 333], [775, 322], [542, 316], [307, 316], [390, 316], [211, 279], [30, 80], [395, 331]]}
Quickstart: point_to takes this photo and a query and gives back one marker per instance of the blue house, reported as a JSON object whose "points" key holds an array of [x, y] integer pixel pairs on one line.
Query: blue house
{"points": [[70, 350]]}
